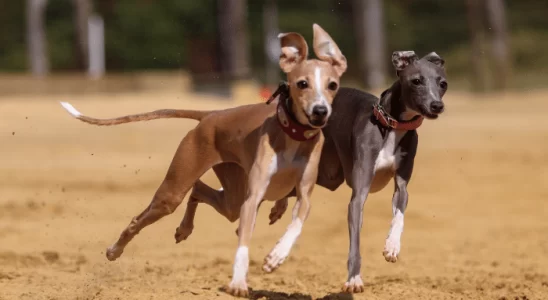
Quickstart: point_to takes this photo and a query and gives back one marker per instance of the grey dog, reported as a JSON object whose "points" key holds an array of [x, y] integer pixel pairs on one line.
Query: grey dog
{"points": [[368, 142]]}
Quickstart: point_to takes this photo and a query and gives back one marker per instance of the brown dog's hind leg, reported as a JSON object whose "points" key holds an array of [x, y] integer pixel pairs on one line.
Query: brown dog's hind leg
{"points": [[187, 225], [201, 193], [278, 210], [226, 201], [186, 167]]}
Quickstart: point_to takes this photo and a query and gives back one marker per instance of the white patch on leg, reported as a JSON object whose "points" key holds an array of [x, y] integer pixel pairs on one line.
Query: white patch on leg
{"points": [[241, 264], [393, 241], [71, 109], [277, 256]]}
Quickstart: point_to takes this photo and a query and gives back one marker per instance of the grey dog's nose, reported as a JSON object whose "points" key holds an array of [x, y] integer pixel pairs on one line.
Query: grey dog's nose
{"points": [[319, 110], [436, 106]]}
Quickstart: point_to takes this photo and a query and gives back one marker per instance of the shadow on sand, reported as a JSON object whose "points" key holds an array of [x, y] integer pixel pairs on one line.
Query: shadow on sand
{"points": [[269, 295]]}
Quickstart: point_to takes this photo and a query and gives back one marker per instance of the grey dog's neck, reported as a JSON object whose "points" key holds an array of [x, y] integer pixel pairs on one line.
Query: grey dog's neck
{"points": [[392, 102]]}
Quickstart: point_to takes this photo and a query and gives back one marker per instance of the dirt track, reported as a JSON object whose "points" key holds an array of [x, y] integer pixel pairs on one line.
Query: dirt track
{"points": [[476, 225]]}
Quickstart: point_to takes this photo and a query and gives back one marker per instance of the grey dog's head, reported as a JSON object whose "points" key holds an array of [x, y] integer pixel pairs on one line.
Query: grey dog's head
{"points": [[423, 82]]}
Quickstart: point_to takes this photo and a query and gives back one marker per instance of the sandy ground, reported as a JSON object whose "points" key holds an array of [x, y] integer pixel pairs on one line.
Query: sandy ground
{"points": [[476, 225]]}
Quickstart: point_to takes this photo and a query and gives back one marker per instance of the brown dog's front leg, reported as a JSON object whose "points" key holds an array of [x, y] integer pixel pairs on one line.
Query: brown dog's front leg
{"points": [[259, 178], [305, 185]]}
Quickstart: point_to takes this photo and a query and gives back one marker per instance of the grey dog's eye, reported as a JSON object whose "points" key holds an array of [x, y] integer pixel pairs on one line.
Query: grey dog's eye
{"points": [[416, 81], [302, 84], [443, 85]]}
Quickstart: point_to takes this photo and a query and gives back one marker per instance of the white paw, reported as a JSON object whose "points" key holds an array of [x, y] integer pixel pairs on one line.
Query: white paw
{"points": [[276, 257], [238, 288], [391, 250], [354, 285]]}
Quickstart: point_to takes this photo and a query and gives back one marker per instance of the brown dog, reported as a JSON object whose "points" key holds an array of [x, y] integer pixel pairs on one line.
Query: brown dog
{"points": [[266, 152]]}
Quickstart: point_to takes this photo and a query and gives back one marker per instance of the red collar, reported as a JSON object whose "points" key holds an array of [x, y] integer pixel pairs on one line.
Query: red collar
{"points": [[292, 127], [387, 120], [287, 121]]}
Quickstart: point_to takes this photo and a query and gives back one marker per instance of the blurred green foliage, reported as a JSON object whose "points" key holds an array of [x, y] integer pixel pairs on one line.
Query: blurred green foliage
{"points": [[146, 34]]}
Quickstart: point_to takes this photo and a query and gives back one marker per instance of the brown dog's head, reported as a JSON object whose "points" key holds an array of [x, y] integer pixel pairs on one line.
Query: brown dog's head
{"points": [[313, 82]]}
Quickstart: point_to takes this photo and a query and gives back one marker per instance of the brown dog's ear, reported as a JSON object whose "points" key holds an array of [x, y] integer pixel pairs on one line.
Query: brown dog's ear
{"points": [[294, 50], [402, 59], [434, 58], [327, 50]]}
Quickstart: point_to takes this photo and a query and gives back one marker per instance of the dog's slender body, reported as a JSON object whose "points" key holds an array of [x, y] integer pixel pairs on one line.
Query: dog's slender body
{"points": [[363, 152], [249, 144]]}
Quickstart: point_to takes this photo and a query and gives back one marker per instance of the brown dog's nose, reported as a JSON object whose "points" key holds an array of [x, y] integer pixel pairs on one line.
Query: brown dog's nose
{"points": [[436, 106], [319, 111]]}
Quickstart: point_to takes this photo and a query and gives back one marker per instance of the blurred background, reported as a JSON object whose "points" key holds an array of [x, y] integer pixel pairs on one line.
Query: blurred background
{"points": [[488, 44], [476, 223]]}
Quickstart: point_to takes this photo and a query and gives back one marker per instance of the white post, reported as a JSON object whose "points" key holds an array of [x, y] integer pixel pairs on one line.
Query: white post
{"points": [[36, 37], [271, 43], [96, 46]]}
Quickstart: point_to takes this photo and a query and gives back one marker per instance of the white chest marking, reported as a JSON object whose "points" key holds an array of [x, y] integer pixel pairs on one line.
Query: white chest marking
{"points": [[289, 153], [284, 159], [389, 157]]}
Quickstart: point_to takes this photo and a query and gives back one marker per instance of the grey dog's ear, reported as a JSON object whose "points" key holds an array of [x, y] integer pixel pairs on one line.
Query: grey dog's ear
{"points": [[402, 59], [434, 58]]}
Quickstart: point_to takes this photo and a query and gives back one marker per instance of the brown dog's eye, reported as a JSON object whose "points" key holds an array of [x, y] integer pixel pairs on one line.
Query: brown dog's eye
{"points": [[416, 81], [332, 86], [302, 84], [443, 85]]}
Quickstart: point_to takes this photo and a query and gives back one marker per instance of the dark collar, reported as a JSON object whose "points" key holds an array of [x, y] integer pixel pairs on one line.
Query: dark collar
{"points": [[287, 120], [387, 120]]}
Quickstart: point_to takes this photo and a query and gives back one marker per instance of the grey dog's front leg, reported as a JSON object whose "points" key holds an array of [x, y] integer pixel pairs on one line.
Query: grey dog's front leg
{"points": [[400, 198], [354, 284], [399, 204], [362, 176]]}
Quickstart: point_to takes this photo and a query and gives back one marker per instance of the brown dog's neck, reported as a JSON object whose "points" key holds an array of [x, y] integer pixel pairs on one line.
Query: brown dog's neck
{"points": [[285, 114], [289, 123]]}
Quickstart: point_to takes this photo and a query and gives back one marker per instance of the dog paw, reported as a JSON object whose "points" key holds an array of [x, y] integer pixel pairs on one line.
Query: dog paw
{"points": [[182, 233], [275, 258], [354, 285], [277, 211], [237, 289], [391, 250], [114, 252]]}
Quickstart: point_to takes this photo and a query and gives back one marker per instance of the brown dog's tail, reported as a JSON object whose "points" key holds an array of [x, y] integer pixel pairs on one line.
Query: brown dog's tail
{"points": [[157, 114]]}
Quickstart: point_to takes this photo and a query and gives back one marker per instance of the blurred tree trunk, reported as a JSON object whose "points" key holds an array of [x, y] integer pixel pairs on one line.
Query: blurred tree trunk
{"points": [[36, 37], [271, 42], [496, 16], [234, 37], [369, 24], [475, 26], [82, 10]]}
